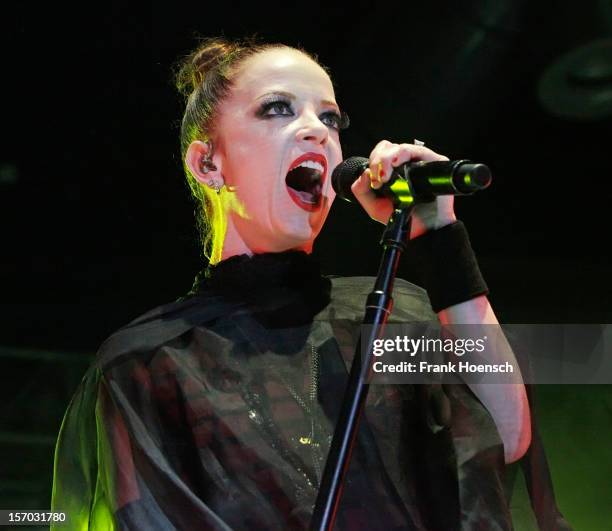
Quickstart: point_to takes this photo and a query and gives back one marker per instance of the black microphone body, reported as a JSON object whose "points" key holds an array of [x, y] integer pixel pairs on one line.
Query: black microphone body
{"points": [[415, 181]]}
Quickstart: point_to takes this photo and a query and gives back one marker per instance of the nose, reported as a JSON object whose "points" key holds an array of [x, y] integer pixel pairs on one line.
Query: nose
{"points": [[312, 129]]}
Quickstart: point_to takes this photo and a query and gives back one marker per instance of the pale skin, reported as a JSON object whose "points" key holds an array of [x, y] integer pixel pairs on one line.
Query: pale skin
{"points": [[253, 153]]}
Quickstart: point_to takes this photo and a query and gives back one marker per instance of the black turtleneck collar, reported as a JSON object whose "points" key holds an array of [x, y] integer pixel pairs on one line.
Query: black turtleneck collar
{"points": [[279, 286]]}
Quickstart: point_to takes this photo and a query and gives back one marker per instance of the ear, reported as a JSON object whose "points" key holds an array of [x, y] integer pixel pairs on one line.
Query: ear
{"points": [[196, 152]]}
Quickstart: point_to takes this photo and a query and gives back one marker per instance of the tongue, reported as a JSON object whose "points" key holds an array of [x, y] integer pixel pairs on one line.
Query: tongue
{"points": [[312, 197], [307, 197]]}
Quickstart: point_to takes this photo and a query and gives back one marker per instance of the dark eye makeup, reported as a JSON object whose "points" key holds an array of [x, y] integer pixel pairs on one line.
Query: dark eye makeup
{"points": [[338, 121], [275, 107], [282, 107]]}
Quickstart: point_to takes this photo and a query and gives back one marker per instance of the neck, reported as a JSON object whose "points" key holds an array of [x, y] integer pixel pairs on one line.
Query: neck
{"points": [[234, 245]]}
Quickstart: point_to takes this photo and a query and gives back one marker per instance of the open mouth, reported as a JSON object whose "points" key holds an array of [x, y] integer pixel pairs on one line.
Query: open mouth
{"points": [[305, 181]]}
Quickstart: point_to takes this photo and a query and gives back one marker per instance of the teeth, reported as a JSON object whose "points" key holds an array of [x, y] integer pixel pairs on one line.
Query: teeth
{"points": [[311, 164]]}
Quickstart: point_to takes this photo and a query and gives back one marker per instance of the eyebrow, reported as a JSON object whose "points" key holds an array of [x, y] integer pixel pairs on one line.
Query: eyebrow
{"points": [[292, 97]]}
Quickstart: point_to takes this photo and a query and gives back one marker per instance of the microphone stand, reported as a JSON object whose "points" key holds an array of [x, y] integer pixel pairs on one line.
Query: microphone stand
{"points": [[378, 309]]}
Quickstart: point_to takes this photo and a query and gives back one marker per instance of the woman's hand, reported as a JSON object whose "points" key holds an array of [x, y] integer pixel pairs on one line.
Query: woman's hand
{"points": [[386, 156]]}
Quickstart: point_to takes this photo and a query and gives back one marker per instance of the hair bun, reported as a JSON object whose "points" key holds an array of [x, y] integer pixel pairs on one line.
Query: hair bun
{"points": [[193, 68]]}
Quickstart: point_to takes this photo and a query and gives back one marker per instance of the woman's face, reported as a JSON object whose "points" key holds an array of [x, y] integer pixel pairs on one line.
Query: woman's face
{"points": [[277, 141]]}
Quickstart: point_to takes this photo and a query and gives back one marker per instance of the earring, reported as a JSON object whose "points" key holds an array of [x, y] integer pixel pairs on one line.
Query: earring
{"points": [[215, 185], [206, 164]]}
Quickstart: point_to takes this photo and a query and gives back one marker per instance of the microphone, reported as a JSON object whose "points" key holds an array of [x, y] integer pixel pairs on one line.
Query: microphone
{"points": [[415, 181]]}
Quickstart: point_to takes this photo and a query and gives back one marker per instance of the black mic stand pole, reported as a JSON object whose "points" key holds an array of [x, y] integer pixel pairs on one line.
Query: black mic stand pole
{"points": [[378, 309]]}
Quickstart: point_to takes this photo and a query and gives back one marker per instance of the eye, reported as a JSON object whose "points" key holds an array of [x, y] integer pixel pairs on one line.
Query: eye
{"points": [[275, 108], [335, 120], [331, 119]]}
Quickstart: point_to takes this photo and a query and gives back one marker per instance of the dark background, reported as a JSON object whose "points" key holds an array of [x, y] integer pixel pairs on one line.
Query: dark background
{"points": [[98, 226]]}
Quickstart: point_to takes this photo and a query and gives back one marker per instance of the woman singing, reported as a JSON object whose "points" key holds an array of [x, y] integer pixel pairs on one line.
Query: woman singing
{"points": [[216, 411]]}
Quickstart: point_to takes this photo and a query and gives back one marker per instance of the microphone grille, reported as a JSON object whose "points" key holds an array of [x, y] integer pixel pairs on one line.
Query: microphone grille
{"points": [[345, 174]]}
